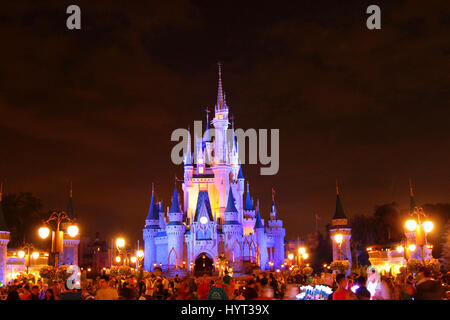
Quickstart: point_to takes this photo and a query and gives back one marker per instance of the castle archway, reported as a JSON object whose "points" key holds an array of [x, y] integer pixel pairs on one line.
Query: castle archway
{"points": [[203, 264]]}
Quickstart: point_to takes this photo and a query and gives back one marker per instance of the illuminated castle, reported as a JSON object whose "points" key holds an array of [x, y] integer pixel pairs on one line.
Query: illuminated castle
{"points": [[214, 221]]}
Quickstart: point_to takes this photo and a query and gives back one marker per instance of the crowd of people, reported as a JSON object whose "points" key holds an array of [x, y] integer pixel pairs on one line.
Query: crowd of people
{"points": [[264, 286]]}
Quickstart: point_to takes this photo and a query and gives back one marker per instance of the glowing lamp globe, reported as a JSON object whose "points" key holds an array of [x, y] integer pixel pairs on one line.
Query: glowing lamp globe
{"points": [[140, 254], [301, 250], [305, 256], [35, 255], [338, 238], [72, 231], [117, 259], [133, 259], [203, 220], [120, 242], [428, 226], [412, 247], [44, 232], [411, 225], [400, 249], [290, 256], [21, 254]]}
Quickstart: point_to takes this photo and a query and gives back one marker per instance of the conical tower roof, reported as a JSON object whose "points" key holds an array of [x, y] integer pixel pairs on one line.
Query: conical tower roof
{"points": [[258, 223], [175, 208], [231, 207], [153, 210], [338, 211], [3, 225], [248, 200]]}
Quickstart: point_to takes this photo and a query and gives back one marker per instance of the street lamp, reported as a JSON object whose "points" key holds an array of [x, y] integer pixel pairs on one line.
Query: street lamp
{"points": [[120, 245], [420, 228], [339, 238], [57, 235], [28, 255], [301, 253]]}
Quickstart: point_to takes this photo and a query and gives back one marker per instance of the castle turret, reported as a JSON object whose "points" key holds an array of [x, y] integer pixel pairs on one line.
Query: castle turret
{"points": [[149, 233], [339, 226], [278, 233], [232, 230], [175, 232], [261, 253], [4, 240]]}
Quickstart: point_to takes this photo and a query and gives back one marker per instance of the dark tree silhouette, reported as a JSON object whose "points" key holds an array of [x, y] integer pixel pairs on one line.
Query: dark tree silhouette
{"points": [[23, 216]]}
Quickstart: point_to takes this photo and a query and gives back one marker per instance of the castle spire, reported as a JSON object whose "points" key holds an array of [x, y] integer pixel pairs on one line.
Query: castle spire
{"points": [[188, 157], [412, 201], [175, 208], [231, 207], [153, 211], [338, 212], [70, 211], [220, 98], [248, 200]]}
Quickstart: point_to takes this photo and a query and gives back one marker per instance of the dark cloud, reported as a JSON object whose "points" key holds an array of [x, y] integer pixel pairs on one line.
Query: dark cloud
{"points": [[97, 106]]}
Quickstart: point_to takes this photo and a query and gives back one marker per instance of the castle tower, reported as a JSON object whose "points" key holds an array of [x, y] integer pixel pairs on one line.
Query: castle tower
{"points": [[175, 233], [339, 225], [232, 230], [70, 245], [188, 174], [4, 240], [261, 254], [149, 233], [249, 214], [278, 233], [222, 167]]}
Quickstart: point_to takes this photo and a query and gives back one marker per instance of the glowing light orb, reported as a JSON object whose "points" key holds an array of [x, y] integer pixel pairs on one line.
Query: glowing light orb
{"points": [[35, 255], [140, 254], [411, 225], [412, 247], [120, 242], [428, 226], [72, 231], [21, 254], [203, 220], [44, 232], [133, 259], [338, 238], [400, 249]]}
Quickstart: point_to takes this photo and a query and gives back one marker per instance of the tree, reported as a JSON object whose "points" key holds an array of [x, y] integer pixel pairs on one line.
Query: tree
{"points": [[388, 223], [445, 253], [363, 235], [23, 215]]}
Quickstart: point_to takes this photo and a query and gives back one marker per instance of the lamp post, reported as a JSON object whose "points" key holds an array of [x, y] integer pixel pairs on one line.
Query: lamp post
{"points": [[57, 217], [120, 245], [301, 253], [21, 254], [420, 228]]}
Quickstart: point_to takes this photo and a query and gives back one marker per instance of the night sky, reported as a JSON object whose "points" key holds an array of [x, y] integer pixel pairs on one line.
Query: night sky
{"points": [[97, 106]]}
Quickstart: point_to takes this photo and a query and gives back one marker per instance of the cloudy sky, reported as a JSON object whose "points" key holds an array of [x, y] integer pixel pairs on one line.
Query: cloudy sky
{"points": [[97, 106]]}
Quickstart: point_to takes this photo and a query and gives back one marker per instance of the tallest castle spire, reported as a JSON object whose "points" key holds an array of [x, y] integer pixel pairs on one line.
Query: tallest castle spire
{"points": [[220, 95]]}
